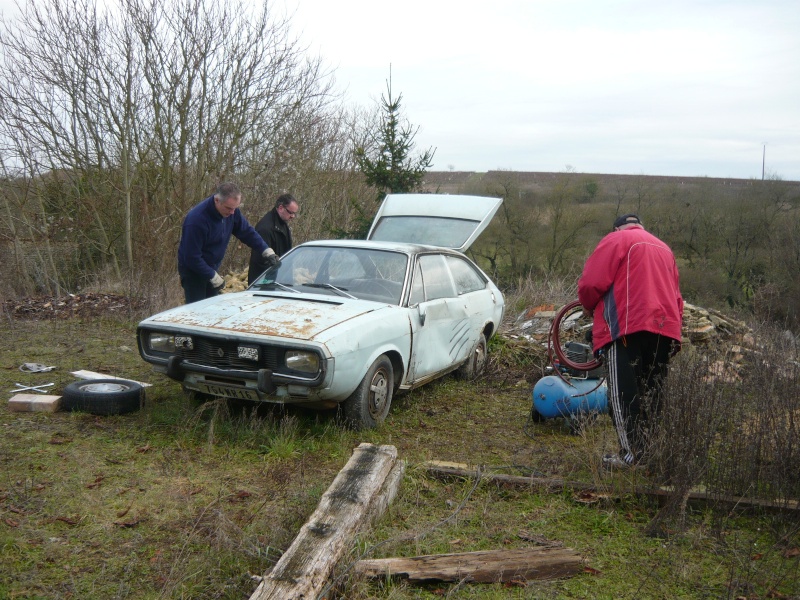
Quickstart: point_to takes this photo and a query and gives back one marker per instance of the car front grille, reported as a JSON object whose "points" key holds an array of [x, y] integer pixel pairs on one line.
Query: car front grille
{"points": [[223, 354]]}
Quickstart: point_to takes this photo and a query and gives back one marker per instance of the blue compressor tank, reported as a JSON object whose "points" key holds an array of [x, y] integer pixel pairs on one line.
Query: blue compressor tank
{"points": [[557, 397]]}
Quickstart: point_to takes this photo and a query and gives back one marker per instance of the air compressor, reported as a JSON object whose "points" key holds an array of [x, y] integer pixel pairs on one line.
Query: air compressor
{"points": [[577, 386]]}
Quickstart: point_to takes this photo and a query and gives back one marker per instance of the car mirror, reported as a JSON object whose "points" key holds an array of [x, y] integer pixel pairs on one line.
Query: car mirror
{"points": [[421, 312]]}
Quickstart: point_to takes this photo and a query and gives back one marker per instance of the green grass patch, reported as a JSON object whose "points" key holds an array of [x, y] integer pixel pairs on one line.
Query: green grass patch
{"points": [[188, 499]]}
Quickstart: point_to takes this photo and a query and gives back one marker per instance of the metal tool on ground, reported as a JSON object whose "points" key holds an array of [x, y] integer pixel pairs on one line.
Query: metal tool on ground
{"points": [[35, 368], [577, 387], [34, 388]]}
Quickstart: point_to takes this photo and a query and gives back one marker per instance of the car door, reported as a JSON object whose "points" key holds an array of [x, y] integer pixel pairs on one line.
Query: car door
{"points": [[442, 331]]}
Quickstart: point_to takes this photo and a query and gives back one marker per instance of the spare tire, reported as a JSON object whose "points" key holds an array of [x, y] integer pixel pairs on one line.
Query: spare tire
{"points": [[103, 396]]}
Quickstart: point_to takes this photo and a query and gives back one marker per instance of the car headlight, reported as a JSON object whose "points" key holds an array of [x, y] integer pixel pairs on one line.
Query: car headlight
{"points": [[165, 342], [161, 342], [300, 360]]}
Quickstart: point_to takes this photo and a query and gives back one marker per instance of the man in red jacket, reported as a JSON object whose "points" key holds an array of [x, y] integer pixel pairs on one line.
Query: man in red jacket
{"points": [[630, 286]]}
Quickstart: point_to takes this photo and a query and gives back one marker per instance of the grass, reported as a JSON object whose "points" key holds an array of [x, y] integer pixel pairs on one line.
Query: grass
{"points": [[190, 500]]}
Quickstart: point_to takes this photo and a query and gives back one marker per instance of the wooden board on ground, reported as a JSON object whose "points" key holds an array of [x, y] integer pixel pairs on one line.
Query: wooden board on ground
{"points": [[660, 494], [357, 497], [34, 403], [94, 375], [487, 566]]}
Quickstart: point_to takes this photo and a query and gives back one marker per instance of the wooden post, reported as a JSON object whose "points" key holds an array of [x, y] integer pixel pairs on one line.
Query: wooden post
{"points": [[358, 495]]}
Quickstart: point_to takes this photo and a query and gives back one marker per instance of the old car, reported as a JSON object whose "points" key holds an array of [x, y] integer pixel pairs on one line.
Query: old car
{"points": [[344, 323]]}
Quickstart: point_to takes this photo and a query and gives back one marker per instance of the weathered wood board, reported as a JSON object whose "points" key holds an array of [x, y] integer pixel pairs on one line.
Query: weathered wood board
{"points": [[488, 566], [358, 495]]}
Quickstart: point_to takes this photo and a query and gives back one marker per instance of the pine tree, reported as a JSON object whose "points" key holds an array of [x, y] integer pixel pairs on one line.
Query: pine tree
{"points": [[389, 164]]}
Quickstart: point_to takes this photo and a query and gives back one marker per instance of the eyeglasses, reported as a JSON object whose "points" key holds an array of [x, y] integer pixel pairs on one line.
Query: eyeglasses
{"points": [[291, 212]]}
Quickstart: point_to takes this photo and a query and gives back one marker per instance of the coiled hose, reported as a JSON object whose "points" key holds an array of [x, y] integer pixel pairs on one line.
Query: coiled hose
{"points": [[554, 343]]}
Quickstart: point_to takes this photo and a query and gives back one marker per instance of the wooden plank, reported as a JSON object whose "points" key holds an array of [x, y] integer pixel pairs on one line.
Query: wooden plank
{"points": [[95, 375], [661, 494], [489, 566], [34, 403], [361, 490]]}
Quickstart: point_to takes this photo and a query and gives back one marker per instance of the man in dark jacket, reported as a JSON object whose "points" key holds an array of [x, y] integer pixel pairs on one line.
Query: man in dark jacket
{"points": [[274, 229], [630, 285], [206, 231]]}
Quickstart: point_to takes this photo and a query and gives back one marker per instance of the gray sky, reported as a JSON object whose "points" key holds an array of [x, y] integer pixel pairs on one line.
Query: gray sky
{"points": [[685, 87], [692, 88]]}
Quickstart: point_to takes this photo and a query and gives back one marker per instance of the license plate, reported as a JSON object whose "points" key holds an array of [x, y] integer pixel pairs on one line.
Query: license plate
{"points": [[228, 392]]}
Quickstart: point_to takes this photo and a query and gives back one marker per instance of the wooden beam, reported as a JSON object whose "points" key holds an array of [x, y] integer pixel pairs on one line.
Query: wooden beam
{"points": [[490, 566], [661, 494], [357, 497]]}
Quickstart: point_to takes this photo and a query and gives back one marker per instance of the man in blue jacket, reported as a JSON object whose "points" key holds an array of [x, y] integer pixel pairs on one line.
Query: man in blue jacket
{"points": [[206, 231]]}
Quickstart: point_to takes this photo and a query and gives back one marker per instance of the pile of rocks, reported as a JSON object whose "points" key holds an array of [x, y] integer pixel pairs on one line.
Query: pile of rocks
{"points": [[700, 325]]}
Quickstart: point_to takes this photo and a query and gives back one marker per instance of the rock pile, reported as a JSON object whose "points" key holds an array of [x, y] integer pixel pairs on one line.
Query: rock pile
{"points": [[700, 325]]}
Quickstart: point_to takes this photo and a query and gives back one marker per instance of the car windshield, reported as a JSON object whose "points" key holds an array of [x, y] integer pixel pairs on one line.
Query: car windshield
{"points": [[365, 274]]}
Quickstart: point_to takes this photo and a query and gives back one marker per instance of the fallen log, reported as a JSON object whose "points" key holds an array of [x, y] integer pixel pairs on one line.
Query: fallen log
{"points": [[489, 566], [358, 495], [447, 471]]}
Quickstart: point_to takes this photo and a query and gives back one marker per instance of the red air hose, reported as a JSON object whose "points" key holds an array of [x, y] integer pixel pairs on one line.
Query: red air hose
{"points": [[554, 342]]}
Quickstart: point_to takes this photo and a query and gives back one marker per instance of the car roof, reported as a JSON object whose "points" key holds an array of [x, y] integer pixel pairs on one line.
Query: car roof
{"points": [[379, 245]]}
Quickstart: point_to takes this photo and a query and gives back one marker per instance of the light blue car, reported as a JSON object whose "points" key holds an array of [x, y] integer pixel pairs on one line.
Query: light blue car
{"points": [[344, 322]]}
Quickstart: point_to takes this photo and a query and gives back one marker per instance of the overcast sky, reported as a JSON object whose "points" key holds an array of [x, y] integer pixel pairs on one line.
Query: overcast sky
{"points": [[680, 88]]}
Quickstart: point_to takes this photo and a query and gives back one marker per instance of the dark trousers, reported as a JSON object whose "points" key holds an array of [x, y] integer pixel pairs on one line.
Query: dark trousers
{"points": [[196, 287], [637, 365]]}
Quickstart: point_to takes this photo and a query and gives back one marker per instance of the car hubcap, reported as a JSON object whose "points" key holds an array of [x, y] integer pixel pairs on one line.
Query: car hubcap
{"points": [[379, 390], [480, 358], [103, 388]]}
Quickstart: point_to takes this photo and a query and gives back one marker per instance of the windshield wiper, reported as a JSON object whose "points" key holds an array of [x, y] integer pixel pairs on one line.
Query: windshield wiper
{"points": [[328, 286], [285, 288]]}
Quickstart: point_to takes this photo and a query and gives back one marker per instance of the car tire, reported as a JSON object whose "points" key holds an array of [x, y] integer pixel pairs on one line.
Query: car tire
{"points": [[103, 396], [368, 405], [476, 363]]}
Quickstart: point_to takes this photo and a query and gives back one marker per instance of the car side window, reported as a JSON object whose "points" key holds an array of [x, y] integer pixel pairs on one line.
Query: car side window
{"points": [[436, 277], [466, 277], [417, 294]]}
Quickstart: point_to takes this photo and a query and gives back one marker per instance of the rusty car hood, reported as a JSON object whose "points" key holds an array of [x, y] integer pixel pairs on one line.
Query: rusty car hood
{"points": [[257, 313]]}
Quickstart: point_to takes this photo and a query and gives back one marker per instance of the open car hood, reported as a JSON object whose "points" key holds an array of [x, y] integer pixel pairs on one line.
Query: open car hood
{"points": [[444, 220]]}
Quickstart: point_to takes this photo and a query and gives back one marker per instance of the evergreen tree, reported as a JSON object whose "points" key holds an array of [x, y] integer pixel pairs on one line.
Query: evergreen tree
{"points": [[387, 160], [388, 164]]}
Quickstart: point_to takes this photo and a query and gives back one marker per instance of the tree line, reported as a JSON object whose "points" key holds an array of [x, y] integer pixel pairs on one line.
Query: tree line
{"points": [[737, 242], [116, 118]]}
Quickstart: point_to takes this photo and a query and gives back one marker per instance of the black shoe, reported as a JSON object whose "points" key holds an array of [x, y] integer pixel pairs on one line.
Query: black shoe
{"points": [[613, 461]]}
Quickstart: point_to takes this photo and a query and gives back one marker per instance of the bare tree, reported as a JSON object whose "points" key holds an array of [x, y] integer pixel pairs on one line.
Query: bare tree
{"points": [[140, 108]]}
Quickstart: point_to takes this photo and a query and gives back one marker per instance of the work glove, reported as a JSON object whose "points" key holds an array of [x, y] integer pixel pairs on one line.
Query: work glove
{"points": [[217, 282], [270, 258]]}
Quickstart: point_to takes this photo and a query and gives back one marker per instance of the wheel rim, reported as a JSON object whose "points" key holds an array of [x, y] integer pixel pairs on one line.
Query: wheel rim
{"points": [[104, 388], [378, 393], [479, 358]]}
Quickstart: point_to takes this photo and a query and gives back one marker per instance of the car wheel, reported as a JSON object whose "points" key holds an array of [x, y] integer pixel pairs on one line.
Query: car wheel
{"points": [[368, 405], [476, 363], [103, 396]]}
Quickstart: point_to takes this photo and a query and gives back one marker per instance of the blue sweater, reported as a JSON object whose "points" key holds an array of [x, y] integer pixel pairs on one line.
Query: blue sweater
{"points": [[205, 236]]}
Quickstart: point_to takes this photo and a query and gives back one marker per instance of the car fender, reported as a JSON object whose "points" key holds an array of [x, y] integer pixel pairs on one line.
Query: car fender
{"points": [[361, 346]]}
